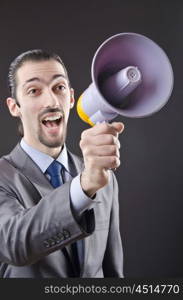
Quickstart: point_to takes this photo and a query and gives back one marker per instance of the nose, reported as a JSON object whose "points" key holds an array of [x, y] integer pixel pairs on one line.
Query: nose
{"points": [[50, 99]]}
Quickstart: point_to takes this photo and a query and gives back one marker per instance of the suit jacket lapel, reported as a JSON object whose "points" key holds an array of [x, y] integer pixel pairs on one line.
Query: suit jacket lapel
{"points": [[21, 161]]}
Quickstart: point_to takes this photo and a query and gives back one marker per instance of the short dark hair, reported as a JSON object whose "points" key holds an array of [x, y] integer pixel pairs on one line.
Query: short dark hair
{"points": [[30, 55], [35, 55]]}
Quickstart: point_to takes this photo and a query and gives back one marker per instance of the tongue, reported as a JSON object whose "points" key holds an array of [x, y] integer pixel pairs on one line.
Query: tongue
{"points": [[50, 124]]}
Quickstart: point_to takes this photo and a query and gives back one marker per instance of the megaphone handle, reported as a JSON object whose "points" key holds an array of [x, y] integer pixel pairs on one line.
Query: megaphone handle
{"points": [[98, 122], [112, 169]]}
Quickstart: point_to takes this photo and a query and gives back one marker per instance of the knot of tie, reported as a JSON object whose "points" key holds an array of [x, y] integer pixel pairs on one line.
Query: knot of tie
{"points": [[54, 170]]}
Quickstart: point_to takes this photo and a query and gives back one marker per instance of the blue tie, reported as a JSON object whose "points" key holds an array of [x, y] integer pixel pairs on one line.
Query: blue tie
{"points": [[55, 171]]}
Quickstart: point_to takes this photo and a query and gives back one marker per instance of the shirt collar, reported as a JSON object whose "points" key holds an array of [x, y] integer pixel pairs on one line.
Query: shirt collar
{"points": [[44, 160]]}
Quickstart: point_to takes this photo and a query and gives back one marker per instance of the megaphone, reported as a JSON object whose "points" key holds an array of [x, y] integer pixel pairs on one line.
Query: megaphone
{"points": [[131, 76]]}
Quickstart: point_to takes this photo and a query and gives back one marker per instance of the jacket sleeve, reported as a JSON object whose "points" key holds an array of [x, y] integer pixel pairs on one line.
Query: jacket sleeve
{"points": [[113, 259], [26, 235]]}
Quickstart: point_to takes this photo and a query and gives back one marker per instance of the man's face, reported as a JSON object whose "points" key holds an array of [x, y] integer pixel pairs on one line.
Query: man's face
{"points": [[45, 100]]}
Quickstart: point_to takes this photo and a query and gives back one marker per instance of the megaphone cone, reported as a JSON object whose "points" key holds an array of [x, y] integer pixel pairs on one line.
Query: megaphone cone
{"points": [[131, 76]]}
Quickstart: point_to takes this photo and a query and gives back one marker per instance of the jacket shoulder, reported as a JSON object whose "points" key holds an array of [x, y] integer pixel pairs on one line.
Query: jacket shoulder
{"points": [[6, 168]]}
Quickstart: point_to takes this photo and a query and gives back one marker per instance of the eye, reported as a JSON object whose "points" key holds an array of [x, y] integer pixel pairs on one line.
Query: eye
{"points": [[60, 88], [33, 91]]}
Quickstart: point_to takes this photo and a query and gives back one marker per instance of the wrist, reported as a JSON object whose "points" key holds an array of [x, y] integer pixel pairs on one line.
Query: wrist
{"points": [[88, 188]]}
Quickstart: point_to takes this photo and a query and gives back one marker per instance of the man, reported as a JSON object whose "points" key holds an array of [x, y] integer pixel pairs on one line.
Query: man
{"points": [[59, 215]]}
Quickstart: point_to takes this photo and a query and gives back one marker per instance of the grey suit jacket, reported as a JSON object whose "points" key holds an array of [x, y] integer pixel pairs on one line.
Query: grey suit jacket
{"points": [[37, 224]]}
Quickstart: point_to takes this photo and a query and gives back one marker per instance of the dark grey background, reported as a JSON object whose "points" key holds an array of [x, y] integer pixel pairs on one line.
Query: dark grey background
{"points": [[150, 176]]}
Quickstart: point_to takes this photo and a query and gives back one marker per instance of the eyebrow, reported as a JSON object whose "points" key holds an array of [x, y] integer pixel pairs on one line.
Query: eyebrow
{"points": [[38, 79]]}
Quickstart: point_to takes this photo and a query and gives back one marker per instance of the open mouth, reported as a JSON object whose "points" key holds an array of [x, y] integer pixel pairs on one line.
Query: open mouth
{"points": [[52, 121]]}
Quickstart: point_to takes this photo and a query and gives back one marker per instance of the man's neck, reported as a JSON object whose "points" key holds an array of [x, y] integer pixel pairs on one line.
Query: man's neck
{"points": [[53, 152]]}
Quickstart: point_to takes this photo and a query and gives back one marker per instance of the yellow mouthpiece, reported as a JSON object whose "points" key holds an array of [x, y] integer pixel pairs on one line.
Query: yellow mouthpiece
{"points": [[81, 112]]}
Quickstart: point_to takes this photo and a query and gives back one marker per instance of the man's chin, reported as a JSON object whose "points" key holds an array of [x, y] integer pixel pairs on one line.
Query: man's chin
{"points": [[55, 143]]}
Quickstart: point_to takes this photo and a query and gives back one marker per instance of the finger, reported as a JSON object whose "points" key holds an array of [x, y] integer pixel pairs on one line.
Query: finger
{"points": [[105, 162], [98, 140], [109, 150], [103, 128], [119, 126]]}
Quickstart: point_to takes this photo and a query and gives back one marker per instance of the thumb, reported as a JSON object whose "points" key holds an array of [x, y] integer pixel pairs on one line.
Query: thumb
{"points": [[119, 126]]}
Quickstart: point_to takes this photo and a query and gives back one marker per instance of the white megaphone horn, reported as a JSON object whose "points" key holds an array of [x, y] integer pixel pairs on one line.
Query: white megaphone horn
{"points": [[131, 76]]}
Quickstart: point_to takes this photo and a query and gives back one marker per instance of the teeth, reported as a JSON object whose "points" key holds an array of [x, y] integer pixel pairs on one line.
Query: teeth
{"points": [[52, 118]]}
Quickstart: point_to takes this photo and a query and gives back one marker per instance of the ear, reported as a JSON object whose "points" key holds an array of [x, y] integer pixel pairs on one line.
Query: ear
{"points": [[72, 99], [13, 107]]}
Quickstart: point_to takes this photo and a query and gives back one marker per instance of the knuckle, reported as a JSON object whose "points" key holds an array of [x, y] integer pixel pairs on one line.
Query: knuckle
{"points": [[115, 162], [114, 150], [84, 133], [118, 163], [81, 144], [85, 152], [88, 151]]}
